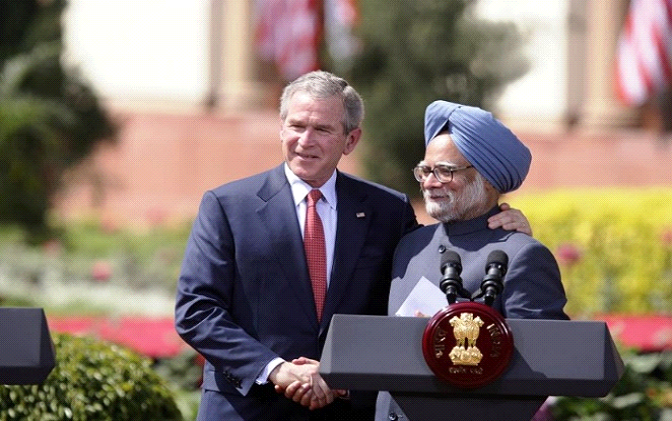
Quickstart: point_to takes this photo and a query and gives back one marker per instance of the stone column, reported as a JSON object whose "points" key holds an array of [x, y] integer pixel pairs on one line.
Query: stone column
{"points": [[233, 85], [602, 108]]}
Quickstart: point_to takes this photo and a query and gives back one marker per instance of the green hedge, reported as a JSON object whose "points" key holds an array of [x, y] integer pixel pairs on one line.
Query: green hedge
{"points": [[644, 393], [614, 246], [92, 381]]}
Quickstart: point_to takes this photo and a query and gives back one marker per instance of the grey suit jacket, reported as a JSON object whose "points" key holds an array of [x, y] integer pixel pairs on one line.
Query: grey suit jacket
{"points": [[532, 286], [244, 295]]}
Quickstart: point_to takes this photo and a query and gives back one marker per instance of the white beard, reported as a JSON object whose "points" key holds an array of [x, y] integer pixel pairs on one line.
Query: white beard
{"points": [[457, 207]]}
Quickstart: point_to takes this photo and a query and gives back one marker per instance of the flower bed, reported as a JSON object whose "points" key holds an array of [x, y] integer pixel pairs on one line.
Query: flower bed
{"points": [[152, 337]]}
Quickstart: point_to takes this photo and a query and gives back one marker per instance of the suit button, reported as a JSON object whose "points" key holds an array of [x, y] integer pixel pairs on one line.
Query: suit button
{"points": [[393, 416]]}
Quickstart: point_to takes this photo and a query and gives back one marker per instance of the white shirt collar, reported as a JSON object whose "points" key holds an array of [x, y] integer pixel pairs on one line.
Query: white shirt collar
{"points": [[300, 188]]}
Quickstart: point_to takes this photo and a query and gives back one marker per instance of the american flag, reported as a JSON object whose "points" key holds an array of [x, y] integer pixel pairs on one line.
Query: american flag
{"points": [[643, 63], [340, 18], [288, 32]]}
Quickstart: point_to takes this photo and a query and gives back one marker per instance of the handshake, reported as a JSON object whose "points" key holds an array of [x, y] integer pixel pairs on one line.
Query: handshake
{"points": [[301, 382]]}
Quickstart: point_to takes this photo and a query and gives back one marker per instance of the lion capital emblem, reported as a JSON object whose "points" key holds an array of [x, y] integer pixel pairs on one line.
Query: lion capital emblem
{"points": [[466, 329]]}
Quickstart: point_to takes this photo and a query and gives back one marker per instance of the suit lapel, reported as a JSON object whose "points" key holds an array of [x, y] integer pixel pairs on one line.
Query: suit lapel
{"points": [[279, 215], [354, 216]]}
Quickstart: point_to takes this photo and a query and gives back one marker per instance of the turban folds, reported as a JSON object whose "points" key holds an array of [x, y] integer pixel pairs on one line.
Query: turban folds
{"points": [[495, 152]]}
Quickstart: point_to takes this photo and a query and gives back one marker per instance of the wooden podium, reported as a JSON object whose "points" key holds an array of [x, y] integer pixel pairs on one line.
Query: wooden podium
{"points": [[550, 358]]}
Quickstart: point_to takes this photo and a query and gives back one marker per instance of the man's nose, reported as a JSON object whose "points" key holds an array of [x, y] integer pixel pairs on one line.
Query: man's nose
{"points": [[431, 182], [307, 137]]}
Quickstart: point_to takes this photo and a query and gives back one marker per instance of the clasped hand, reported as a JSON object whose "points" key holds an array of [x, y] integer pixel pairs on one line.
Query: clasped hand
{"points": [[300, 381]]}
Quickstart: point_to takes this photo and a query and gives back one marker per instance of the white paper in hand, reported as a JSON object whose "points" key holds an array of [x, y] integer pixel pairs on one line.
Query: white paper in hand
{"points": [[425, 297]]}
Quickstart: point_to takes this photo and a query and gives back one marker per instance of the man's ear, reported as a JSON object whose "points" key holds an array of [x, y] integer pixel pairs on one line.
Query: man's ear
{"points": [[351, 140]]}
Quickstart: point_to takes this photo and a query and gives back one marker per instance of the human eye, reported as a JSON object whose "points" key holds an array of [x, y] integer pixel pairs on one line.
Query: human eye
{"points": [[423, 170], [444, 171], [323, 129], [295, 125]]}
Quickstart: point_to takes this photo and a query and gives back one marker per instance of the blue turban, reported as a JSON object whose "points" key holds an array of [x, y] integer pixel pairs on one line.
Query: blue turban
{"points": [[495, 152]]}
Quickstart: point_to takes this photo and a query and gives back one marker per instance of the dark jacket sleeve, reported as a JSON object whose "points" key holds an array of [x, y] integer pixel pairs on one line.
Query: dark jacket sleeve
{"points": [[533, 289], [205, 298]]}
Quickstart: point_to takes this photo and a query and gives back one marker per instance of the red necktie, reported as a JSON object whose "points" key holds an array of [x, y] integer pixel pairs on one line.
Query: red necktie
{"points": [[316, 251]]}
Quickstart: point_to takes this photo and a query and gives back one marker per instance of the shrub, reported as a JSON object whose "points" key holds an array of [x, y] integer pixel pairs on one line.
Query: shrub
{"points": [[644, 393], [614, 246], [92, 381]]}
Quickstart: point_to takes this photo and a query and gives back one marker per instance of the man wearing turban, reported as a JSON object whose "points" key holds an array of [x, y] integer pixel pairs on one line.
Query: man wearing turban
{"points": [[471, 159]]}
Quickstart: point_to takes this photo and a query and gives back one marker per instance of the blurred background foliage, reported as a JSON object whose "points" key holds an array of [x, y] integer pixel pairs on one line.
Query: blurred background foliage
{"points": [[417, 51], [50, 118], [92, 267], [614, 246]]}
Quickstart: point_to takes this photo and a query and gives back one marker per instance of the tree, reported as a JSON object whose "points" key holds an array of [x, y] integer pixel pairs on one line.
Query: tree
{"points": [[414, 52], [50, 119]]}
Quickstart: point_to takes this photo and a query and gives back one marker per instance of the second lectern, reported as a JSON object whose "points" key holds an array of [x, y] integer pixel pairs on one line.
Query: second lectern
{"points": [[26, 350]]}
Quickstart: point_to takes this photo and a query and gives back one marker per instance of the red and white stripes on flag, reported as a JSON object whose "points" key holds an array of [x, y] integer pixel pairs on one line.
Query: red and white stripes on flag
{"points": [[340, 18], [643, 63], [288, 33]]}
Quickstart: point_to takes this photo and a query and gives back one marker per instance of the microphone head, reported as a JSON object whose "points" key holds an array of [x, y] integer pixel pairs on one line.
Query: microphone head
{"points": [[451, 258], [497, 257]]}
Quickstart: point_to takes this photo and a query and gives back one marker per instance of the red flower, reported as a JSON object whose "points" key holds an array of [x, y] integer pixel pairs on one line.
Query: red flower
{"points": [[52, 248], [568, 254], [101, 271], [666, 237]]}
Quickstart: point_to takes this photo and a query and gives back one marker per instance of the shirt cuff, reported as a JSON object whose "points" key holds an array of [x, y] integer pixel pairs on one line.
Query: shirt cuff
{"points": [[262, 378]]}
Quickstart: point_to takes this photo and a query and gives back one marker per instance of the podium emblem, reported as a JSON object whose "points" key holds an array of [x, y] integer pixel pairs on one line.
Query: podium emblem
{"points": [[467, 344], [466, 330]]}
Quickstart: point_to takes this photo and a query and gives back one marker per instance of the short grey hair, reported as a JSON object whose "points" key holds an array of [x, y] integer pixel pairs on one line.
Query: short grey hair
{"points": [[322, 85]]}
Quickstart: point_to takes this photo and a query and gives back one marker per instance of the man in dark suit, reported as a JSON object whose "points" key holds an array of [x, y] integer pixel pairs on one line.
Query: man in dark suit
{"points": [[245, 300]]}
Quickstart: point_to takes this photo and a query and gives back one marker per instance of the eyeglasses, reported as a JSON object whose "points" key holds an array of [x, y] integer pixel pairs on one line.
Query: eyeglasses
{"points": [[442, 172]]}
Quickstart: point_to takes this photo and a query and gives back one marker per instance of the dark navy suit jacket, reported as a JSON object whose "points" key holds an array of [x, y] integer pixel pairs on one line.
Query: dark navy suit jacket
{"points": [[244, 294]]}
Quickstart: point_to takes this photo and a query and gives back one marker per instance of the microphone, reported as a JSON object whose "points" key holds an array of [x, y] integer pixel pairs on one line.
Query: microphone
{"points": [[451, 283], [493, 282]]}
